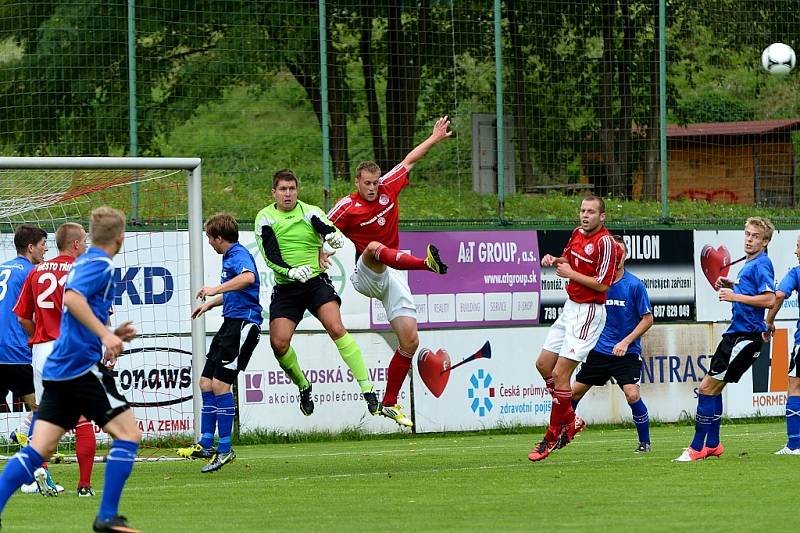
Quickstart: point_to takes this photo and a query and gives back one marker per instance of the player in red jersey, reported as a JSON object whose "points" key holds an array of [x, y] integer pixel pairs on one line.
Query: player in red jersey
{"points": [[589, 263], [370, 217], [39, 310]]}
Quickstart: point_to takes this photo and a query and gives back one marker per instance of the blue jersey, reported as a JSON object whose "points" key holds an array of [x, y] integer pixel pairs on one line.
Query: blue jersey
{"points": [[77, 349], [14, 348], [243, 303], [626, 303], [789, 283], [755, 278]]}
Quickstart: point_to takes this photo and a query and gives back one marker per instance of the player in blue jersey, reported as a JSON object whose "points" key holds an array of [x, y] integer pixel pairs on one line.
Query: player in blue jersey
{"points": [[617, 354], [76, 377], [233, 344], [16, 374], [790, 283], [751, 293]]}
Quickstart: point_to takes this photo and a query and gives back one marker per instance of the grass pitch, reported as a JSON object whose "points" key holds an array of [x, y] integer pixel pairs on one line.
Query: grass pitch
{"points": [[475, 482]]}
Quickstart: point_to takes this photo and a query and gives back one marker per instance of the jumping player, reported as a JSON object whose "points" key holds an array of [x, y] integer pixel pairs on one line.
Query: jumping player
{"points": [[369, 218], [588, 263], [290, 239]]}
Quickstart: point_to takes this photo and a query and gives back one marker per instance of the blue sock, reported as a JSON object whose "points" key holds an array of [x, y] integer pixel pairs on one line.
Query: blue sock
{"points": [[120, 463], [642, 420], [225, 413], [18, 471], [793, 421], [702, 420], [208, 420], [712, 440]]}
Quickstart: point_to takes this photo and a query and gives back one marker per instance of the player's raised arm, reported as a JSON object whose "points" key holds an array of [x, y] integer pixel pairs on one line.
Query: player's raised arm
{"points": [[440, 132]]}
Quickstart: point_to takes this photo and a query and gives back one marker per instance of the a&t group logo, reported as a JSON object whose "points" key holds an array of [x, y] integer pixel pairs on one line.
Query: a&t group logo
{"points": [[480, 392]]}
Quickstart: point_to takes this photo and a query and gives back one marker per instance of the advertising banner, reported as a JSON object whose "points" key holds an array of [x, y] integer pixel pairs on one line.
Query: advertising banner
{"points": [[492, 280], [716, 254], [479, 379], [268, 400], [661, 259]]}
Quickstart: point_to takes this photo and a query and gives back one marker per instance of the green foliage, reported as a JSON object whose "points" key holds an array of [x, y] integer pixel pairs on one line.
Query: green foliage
{"points": [[714, 107]]}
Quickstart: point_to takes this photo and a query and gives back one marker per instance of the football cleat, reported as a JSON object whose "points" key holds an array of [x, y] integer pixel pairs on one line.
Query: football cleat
{"points": [[395, 412], [116, 524], [434, 262], [373, 405], [219, 460], [643, 447], [542, 450], [19, 438], [788, 451], [568, 433], [85, 492], [718, 450], [196, 451], [45, 489], [306, 403], [30, 488], [690, 454]]}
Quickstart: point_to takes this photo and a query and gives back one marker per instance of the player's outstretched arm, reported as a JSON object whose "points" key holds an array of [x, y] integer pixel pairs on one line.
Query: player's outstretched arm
{"points": [[440, 132], [780, 296], [245, 279], [327, 230]]}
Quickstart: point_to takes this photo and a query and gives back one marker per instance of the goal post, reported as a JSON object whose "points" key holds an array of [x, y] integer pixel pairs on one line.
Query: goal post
{"points": [[67, 179]]}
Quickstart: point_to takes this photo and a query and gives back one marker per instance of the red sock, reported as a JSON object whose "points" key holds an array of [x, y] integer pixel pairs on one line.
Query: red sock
{"points": [[396, 374], [85, 447], [562, 413], [400, 260]]}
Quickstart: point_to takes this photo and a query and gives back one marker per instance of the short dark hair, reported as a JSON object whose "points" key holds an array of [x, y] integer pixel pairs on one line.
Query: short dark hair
{"points": [[223, 225], [369, 166], [284, 175], [619, 239], [593, 198], [28, 234]]}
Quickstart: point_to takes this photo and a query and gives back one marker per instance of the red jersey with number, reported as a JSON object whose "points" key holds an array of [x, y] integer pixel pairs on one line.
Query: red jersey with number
{"points": [[363, 222], [594, 255], [42, 297]]}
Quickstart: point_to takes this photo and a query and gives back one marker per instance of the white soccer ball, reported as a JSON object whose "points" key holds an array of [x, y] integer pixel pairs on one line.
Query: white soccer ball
{"points": [[778, 58]]}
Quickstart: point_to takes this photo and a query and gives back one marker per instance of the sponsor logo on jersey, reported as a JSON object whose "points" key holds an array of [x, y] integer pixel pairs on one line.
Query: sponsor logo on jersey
{"points": [[383, 200], [588, 249]]}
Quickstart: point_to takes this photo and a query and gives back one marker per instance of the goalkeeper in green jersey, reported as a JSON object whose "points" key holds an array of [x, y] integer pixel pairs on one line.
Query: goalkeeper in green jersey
{"points": [[290, 236]]}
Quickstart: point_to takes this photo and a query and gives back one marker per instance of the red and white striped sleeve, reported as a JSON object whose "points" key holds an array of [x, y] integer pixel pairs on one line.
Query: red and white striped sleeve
{"points": [[606, 260], [337, 213], [395, 180]]}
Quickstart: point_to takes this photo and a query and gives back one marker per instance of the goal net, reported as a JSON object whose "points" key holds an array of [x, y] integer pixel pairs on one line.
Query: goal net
{"points": [[154, 276]]}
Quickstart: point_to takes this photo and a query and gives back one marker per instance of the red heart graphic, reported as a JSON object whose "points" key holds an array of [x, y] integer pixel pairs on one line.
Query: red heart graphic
{"points": [[715, 262], [434, 369]]}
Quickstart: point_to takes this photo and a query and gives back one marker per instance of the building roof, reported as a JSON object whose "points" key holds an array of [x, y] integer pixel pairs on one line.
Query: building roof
{"points": [[752, 127]]}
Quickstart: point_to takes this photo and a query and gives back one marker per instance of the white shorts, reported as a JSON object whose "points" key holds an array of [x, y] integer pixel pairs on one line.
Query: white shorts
{"points": [[576, 331], [390, 287], [41, 352]]}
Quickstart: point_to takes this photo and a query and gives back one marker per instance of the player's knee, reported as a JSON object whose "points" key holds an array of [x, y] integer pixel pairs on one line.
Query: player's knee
{"points": [[632, 395], [205, 384], [410, 344], [220, 387], [373, 248], [336, 331], [279, 346]]}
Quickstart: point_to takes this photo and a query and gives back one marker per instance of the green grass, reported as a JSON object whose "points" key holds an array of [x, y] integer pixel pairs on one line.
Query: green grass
{"points": [[467, 482]]}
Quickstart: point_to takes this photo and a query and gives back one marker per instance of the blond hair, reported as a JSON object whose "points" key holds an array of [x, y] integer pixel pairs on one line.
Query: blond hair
{"points": [[767, 228], [106, 225]]}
